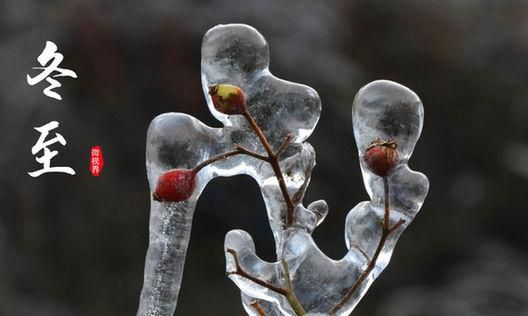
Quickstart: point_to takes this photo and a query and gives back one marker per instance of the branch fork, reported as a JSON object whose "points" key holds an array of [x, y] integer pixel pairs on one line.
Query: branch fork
{"points": [[381, 156]]}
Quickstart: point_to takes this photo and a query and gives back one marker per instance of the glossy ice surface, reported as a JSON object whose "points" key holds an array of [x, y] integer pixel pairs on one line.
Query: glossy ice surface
{"points": [[238, 54]]}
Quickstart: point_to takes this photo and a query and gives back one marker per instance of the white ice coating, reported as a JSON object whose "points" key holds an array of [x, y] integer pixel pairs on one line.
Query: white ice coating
{"points": [[238, 54]]}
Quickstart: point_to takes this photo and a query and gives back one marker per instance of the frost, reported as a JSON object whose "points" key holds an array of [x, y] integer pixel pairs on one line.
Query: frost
{"points": [[303, 280]]}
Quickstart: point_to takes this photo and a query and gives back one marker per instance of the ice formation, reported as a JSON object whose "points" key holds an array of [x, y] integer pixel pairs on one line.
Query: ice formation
{"points": [[303, 280]]}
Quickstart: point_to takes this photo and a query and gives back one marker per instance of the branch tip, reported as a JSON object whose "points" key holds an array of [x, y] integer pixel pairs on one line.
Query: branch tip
{"points": [[397, 225]]}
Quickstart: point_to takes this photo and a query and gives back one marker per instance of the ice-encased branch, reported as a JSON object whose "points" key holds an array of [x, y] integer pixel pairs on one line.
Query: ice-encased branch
{"points": [[238, 54]]}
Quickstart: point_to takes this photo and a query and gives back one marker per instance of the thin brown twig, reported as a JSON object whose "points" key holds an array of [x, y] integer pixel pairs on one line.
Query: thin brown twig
{"points": [[241, 272], [363, 252], [254, 126], [299, 194], [397, 225], [237, 151], [287, 292], [386, 190], [386, 231], [251, 153], [274, 162], [290, 206], [209, 161], [284, 145], [272, 158], [258, 308]]}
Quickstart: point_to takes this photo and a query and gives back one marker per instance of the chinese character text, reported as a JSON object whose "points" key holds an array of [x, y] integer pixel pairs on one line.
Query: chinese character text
{"points": [[42, 144], [51, 56]]}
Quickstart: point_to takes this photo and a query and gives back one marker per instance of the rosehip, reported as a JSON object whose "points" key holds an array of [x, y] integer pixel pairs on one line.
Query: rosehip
{"points": [[228, 99], [381, 156], [175, 185]]}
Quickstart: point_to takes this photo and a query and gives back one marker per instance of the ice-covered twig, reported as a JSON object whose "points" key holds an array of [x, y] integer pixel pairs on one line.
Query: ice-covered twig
{"points": [[266, 123]]}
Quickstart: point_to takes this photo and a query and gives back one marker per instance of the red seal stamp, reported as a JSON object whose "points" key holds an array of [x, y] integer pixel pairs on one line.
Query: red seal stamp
{"points": [[96, 160]]}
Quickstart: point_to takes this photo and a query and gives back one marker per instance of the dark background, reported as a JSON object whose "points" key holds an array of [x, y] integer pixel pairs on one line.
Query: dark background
{"points": [[75, 245]]}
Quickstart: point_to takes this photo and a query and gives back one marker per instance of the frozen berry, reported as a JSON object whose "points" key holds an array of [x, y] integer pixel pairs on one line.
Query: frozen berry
{"points": [[228, 99], [381, 156], [175, 185]]}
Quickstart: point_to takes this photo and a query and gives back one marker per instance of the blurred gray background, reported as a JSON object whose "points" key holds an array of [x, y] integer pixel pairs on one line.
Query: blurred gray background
{"points": [[75, 245]]}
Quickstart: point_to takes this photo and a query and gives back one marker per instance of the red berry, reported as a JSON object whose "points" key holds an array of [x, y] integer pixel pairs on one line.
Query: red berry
{"points": [[381, 156], [228, 99], [175, 185]]}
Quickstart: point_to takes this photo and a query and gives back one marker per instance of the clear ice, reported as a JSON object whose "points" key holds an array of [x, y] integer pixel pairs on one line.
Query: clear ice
{"points": [[238, 54]]}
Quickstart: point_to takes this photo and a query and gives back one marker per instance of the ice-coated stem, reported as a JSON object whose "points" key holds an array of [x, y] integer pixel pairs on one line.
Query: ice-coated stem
{"points": [[241, 272], [253, 141], [274, 162], [287, 292], [387, 229], [170, 230], [237, 151], [256, 306], [290, 296]]}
